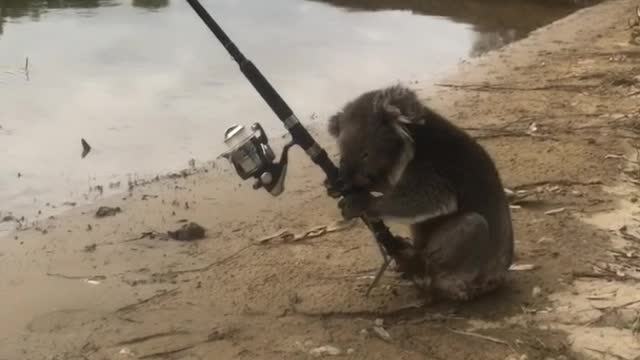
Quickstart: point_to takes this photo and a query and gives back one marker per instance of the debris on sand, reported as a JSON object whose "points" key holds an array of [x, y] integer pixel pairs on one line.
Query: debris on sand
{"points": [[325, 350], [90, 248], [536, 291], [381, 333], [188, 232], [8, 218], [105, 211], [523, 267], [554, 211], [125, 353], [287, 236], [86, 148]]}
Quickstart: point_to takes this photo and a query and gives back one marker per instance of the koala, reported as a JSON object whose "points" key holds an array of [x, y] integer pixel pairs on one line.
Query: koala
{"points": [[415, 166]]}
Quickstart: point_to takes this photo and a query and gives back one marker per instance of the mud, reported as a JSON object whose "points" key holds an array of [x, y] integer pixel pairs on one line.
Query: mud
{"points": [[558, 111]]}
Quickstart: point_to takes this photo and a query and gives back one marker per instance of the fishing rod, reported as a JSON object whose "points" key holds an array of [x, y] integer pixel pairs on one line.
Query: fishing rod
{"points": [[252, 157]]}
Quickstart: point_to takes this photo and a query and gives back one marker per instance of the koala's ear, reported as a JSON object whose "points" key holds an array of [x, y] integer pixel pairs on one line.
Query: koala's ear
{"points": [[334, 125]]}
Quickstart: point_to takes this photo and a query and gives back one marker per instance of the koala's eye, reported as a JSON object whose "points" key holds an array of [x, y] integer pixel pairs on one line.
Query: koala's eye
{"points": [[365, 156]]}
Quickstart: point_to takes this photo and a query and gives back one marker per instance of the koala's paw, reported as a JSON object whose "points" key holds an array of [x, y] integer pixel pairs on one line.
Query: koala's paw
{"points": [[355, 205], [333, 190], [408, 262]]}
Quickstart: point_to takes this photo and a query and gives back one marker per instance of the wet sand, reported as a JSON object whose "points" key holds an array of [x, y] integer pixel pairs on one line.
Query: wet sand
{"points": [[79, 287]]}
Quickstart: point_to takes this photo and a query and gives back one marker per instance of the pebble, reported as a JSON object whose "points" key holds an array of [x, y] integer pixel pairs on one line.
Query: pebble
{"points": [[537, 291], [381, 333]]}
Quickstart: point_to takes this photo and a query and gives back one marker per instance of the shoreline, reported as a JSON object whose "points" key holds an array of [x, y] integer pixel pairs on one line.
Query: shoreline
{"points": [[151, 296]]}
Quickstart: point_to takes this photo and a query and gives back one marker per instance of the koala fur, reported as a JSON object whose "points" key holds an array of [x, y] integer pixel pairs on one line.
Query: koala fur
{"points": [[433, 176]]}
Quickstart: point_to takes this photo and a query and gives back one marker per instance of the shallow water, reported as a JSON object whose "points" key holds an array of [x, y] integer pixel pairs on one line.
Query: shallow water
{"points": [[149, 87]]}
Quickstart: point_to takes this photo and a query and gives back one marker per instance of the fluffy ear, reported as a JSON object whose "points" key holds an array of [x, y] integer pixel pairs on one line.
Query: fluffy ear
{"points": [[334, 125]]}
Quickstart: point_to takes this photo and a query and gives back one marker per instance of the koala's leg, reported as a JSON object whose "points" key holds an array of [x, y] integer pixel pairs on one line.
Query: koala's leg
{"points": [[461, 261]]}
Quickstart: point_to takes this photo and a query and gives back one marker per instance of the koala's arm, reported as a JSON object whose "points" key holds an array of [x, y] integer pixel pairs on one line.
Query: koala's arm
{"points": [[419, 195]]}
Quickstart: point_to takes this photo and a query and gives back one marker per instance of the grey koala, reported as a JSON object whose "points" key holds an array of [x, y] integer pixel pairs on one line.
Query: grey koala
{"points": [[433, 176]]}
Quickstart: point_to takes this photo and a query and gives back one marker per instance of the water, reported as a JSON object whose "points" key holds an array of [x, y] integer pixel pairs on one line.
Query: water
{"points": [[149, 87]]}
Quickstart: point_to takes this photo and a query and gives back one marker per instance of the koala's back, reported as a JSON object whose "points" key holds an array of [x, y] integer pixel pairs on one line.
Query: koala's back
{"points": [[469, 170]]}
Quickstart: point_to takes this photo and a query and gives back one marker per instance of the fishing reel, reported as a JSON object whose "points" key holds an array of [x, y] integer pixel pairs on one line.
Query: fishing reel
{"points": [[252, 157]]}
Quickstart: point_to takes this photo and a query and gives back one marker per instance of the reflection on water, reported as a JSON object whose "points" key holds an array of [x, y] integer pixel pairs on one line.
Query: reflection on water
{"points": [[495, 22], [151, 4], [150, 88], [13, 9]]}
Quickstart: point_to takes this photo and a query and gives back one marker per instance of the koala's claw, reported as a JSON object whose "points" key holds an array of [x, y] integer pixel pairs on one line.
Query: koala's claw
{"points": [[354, 205], [408, 261], [332, 190]]}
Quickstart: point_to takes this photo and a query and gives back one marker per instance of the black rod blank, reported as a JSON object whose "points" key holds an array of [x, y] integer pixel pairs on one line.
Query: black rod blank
{"points": [[299, 134]]}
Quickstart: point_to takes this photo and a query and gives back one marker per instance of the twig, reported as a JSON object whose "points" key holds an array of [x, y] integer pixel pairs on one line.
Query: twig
{"points": [[628, 236], [378, 276], [562, 182], [209, 266], [144, 235], [26, 68], [77, 277], [152, 336], [434, 317], [169, 352], [634, 93], [479, 336], [144, 301], [490, 87], [401, 312], [212, 337], [624, 305], [619, 357], [591, 274]]}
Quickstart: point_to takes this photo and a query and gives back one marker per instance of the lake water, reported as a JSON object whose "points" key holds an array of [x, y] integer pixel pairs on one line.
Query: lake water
{"points": [[149, 87]]}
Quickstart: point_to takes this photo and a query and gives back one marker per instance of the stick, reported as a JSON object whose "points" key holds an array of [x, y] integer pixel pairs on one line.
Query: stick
{"points": [[562, 182], [590, 274], [607, 353], [26, 68], [379, 274], [207, 267], [152, 336], [489, 87], [481, 337], [144, 301], [169, 352], [77, 277]]}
